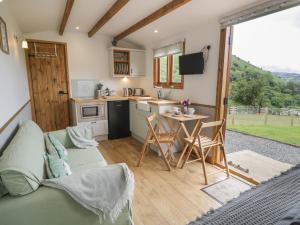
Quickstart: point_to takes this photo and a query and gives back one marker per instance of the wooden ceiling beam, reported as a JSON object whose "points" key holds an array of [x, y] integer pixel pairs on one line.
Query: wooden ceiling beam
{"points": [[67, 12], [119, 4], [152, 17]]}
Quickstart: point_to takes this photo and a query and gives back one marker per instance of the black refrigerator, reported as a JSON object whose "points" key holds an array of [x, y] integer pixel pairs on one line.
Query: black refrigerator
{"points": [[118, 119]]}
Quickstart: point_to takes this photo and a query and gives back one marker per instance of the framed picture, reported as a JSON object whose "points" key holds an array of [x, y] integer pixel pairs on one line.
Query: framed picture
{"points": [[3, 37]]}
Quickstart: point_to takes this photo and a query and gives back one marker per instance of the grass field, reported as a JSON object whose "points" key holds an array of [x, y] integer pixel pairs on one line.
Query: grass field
{"points": [[277, 128]]}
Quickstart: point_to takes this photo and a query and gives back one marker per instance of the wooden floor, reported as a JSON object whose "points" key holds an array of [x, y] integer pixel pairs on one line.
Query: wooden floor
{"points": [[162, 197]]}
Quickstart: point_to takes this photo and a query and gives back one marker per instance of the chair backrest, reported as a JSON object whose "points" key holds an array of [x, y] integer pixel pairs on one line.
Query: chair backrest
{"points": [[217, 132], [154, 125]]}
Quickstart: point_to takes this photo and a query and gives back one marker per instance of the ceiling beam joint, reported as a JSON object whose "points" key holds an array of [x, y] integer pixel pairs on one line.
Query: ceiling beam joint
{"points": [[171, 6], [119, 4]]}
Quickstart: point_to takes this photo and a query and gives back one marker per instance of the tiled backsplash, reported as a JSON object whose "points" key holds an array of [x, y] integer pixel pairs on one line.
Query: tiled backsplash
{"points": [[83, 88]]}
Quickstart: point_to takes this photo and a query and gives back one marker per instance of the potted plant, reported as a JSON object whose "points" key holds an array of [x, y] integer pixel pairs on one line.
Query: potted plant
{"points": [[185, 103]]}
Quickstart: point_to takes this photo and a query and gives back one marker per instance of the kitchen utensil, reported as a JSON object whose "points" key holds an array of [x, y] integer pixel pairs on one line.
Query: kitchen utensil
{"points": [[138, 91], [127, 92]]}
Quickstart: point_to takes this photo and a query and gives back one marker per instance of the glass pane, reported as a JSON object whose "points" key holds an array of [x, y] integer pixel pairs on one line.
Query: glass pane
{"points": [[176, 77], [89, 111], [163, 70]]}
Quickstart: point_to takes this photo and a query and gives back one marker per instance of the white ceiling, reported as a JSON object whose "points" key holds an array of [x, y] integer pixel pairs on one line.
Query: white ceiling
{"points": [[44, 15]]}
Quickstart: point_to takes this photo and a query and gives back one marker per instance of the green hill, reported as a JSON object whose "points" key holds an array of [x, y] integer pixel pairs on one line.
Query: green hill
{"points": [[253, 86]]}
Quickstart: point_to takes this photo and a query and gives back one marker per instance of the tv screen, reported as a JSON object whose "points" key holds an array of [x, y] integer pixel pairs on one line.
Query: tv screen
{"points": [[191, 64]]}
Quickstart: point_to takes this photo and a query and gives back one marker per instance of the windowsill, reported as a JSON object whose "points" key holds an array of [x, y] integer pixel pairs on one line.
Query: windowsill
{"points": [[169, 86]]}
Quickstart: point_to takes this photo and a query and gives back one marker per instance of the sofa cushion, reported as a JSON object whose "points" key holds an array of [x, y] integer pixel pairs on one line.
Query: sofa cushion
{"points": [[80, 159], [3, 190], [56, 167], [63, 137], [22, 162]]}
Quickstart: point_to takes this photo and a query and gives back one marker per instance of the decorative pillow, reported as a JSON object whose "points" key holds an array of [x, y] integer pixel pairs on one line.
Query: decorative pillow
{"points": [[54, 147], [22, 166], [49, 146], [3, 190], [56, 167]]}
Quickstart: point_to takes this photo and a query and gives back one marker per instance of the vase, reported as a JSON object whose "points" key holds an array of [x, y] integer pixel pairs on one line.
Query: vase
{"points": [[185, 109]]}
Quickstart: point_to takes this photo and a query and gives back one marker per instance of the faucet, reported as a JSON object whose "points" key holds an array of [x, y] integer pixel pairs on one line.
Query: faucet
{"points": [[159, 92]]}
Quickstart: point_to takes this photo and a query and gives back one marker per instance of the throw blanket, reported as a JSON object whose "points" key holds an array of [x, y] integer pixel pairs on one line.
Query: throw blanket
{"points": [[265, 204], [82, 136], [104, 191]]}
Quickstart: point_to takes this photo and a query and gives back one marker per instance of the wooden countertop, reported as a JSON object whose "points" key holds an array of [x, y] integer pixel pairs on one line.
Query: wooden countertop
{"points": [[149, 99], [163, 102]]}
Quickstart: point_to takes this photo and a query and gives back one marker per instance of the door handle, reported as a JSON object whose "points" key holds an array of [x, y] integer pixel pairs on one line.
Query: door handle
{"points": [[62, 93]]}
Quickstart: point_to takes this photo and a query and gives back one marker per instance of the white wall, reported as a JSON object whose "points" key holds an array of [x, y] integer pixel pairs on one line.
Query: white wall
{"points": [[198, 88], [13, 86], [88, 57]]}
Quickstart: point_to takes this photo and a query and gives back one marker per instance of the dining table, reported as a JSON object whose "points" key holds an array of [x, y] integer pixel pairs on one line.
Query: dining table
{"points": [[181, 120]]}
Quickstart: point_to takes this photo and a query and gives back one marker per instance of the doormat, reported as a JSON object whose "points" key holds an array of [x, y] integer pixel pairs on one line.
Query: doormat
{"points": [[226, 190]]}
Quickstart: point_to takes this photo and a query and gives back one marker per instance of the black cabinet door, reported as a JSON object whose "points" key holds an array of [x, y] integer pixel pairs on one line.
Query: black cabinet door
{"points": [[118, 119]]}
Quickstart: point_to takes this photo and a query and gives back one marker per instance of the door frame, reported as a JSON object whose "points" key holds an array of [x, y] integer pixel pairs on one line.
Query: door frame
{"points": [[222, 93], [29, 76], [225, 55]]}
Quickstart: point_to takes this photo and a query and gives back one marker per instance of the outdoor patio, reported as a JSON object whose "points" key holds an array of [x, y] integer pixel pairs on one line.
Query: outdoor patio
{"points": [[286, 153]]}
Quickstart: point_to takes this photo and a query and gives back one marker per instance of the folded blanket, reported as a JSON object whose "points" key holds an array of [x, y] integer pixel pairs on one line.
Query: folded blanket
{"points": [[82, 136], [104, 190]]}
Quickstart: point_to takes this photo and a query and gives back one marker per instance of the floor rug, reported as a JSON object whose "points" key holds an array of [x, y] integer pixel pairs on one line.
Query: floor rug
{"points": [[226, 190], [266, 204]]}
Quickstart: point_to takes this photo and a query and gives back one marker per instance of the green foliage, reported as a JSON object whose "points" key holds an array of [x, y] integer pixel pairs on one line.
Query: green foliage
{"points": [[289, 135], [254, 86], [163, 69], [176, 76]]}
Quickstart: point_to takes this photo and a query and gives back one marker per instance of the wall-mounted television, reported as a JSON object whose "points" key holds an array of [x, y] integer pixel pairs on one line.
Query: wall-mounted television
{"points": [[191, 64]]}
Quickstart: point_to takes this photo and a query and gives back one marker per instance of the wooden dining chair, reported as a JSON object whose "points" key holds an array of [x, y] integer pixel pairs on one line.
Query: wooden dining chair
{"points": [[203, 144], [158, 135]]}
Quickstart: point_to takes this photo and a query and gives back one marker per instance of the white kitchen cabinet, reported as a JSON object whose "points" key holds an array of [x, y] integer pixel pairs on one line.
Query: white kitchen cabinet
{"points": [[100, 128], [137, 63], [127, 62], [138, 124]]}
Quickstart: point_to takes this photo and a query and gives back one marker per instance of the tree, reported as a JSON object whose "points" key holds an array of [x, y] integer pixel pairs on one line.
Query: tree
{"points": [[250, 85]]}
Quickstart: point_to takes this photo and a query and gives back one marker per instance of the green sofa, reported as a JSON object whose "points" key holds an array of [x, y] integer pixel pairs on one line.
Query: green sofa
{"points": [[46, 206]]}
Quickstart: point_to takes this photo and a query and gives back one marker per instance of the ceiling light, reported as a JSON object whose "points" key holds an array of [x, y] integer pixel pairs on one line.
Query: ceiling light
{"points": [[156, 31], [1, 0], [77, 28]]}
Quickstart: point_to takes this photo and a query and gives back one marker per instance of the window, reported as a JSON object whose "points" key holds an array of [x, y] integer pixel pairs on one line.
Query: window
{"points": [[166, 66]]}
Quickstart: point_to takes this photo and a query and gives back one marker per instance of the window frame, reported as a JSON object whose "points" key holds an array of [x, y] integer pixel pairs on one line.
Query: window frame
{"points": [[169, 83]]}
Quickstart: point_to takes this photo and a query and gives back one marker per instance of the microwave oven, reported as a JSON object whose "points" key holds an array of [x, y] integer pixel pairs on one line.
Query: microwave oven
{"points": [[91, 112]]}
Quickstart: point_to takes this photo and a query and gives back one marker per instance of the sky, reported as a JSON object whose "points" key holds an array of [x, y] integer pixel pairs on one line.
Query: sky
{"points": [[271, 42]]}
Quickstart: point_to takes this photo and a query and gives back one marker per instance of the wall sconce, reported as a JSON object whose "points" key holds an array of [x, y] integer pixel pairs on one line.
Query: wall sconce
{"points": [[24, 42]]}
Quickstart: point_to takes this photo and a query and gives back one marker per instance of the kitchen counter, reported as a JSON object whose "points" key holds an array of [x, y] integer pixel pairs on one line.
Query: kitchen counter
{"points": [[150, 100]]}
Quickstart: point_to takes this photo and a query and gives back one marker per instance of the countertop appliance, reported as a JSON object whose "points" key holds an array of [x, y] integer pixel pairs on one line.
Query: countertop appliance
{"points": [[91, 112], [127, 92], [118, 119], [138, 91]]}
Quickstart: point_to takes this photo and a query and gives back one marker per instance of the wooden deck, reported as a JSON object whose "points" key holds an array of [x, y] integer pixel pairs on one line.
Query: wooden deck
{"points": [[162, 197]]}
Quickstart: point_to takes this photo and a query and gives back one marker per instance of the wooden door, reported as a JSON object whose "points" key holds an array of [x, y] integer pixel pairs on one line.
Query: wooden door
{"points": [[49, 85]]}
